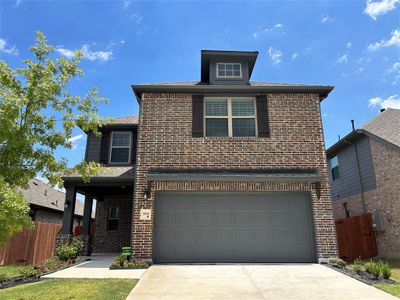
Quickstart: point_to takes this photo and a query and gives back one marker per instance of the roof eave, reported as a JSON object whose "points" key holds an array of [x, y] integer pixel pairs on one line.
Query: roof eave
{"points": [[322, 91]]}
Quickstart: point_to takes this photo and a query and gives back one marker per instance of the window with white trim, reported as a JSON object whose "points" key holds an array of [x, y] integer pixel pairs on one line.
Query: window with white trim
{"points": [[120, 149], [229, 70], [230, 116]]}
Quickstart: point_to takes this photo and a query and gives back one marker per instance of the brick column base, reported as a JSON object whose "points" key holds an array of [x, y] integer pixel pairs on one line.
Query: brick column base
{"points": [[63, 239]]}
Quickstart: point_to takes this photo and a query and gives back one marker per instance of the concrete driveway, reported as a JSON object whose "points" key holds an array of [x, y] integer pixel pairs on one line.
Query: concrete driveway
{"points": [[260, 281]]}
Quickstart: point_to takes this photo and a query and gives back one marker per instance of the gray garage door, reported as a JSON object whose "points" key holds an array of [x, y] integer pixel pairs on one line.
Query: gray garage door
{"points": [[233, 227]]}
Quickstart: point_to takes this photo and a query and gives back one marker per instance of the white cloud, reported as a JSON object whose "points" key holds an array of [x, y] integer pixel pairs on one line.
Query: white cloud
{"points": [[394, 40], [126, 3], [261, 31], [395, 69], [348, 45], [137, 18], [7, 49], [101, 56], [326, 19], [377, 8], [295, 55], [342, 59], [275, 55], [17, 3], [74, 140], [390, 102]]}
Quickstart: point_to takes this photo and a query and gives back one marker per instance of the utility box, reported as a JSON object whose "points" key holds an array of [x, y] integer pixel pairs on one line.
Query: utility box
{"points": [[379, 221]]}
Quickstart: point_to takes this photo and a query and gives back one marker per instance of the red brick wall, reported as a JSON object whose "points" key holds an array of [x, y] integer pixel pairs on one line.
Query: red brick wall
{"points": [[296, 141], [386, 197], [106, 241]]}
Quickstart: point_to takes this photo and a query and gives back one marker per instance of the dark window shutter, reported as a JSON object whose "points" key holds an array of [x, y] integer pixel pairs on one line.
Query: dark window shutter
{"points": [[104, 147], [133, 150], [197, 115], [262, 116]]}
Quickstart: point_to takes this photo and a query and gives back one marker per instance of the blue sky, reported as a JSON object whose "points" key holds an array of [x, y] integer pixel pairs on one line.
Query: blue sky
{"points": [[353, 45]]}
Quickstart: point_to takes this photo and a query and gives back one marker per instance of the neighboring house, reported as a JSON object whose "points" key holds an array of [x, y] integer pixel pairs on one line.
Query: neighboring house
{"points": [[220, 170], [365, 177], [47, 204]]}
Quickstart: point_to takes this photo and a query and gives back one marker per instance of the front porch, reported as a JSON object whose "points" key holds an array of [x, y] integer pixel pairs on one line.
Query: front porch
{"points": [[113, 192]]}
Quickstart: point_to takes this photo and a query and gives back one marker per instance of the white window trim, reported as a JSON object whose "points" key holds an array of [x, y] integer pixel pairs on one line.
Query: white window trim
{"points": [[111, 148], [231, 63], [229, 116]]}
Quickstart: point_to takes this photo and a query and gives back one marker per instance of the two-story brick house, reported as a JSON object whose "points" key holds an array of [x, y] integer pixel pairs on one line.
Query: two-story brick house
{"points": [[229, 170]]}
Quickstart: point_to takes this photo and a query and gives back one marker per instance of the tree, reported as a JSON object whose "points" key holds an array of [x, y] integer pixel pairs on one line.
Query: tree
{"points": [[37, 116]]}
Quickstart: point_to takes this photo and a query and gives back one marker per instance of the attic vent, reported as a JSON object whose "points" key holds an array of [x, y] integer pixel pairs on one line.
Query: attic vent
{"points": [[35, 183]]}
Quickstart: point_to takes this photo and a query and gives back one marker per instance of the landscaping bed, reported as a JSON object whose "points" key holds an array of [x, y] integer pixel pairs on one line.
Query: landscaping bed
{"points": [[372, 272], [122, 262], [66, 256]]}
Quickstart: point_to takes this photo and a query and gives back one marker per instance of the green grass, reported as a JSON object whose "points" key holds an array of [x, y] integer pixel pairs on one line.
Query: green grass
{"points": [[12, 271], [57, 289], [395, 263], [393, 289]]}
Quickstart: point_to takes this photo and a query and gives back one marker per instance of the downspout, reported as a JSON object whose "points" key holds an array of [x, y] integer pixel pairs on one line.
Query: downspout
{"points": [[358, 171]]}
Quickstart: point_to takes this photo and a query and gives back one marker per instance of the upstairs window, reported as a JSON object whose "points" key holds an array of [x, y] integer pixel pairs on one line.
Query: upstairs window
{"points": [[334, 165], [113, 218], [230, 117], [229, 70], [120, 147]]}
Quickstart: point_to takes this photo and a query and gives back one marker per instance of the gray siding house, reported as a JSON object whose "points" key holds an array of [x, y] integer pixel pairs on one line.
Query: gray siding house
{"points": [[364, 174], [47, 203]]}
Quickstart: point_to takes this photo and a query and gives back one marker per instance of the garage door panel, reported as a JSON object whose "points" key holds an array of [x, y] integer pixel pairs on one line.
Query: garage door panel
{"points": [[233, 227]]}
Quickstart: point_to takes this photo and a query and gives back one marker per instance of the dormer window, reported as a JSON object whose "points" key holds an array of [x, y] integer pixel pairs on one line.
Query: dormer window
{"points": [[120, 147], [229, 70]]}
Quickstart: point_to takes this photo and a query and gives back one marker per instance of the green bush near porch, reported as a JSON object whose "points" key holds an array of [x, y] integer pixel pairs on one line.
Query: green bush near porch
{"points": [[89, 289]]}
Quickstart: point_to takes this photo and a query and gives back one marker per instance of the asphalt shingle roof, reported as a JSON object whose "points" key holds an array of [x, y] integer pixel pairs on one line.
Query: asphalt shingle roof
{"points": [[41, 194], [112, 172], [386, 125], [126, 120]]}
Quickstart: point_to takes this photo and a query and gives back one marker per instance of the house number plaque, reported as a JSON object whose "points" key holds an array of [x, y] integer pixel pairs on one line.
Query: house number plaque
{"points": [[145, 214]]}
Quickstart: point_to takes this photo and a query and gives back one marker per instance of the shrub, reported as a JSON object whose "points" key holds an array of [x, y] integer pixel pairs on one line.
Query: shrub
{"points": [[71, 251], [359, 269], [66, 252], [386, 269], [359, 262], [337, 262], [373, 268], [3, 278], [78, 243], [53, 263], [27, 271], [138, 265]]}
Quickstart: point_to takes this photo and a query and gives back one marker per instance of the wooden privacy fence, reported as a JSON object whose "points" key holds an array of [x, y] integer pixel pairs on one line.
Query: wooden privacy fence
{"points": [[30, 246], [356, 238]]}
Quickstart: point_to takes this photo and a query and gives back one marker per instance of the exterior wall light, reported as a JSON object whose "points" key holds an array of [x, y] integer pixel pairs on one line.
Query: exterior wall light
{"points": [[145, 195]]}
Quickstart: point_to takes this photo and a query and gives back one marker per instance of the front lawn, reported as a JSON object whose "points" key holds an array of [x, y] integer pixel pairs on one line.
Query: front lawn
{"points": [[11, 271], [393, 289], [54, 289]]}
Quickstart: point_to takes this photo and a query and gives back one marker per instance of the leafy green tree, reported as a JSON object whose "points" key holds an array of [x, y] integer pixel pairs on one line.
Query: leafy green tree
{"points": [[37, 116]]}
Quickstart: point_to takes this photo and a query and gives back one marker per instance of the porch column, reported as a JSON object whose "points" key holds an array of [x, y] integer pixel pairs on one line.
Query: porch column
{"points": [[69, 209], [87, 214]]}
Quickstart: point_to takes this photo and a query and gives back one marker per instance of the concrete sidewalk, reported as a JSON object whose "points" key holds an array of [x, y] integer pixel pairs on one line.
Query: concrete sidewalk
{"points": [[97, 267], [251, 282]]}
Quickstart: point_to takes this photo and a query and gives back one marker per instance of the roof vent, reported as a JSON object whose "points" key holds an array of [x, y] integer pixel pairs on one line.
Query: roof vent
{"points": [[382, 110], [45, 192]]}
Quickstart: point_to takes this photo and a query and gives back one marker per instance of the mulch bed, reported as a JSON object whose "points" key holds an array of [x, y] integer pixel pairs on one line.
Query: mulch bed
{"points": [[18, 281], [22, 280], [363, 277]]}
